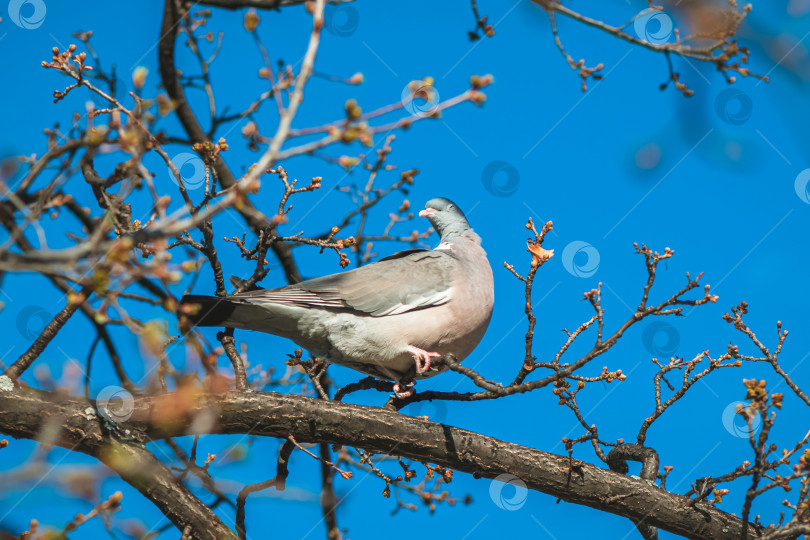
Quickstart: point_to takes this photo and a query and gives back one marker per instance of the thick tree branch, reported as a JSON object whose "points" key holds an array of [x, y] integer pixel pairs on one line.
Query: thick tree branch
{"points": [[138, 467], [24, 412], [24, 415]]}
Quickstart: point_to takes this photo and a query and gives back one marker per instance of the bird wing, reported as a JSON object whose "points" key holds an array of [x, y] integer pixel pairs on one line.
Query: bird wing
{"points": [[403, 282]]}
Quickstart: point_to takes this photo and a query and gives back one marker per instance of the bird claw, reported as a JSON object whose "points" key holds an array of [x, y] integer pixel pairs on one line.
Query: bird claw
{"points": [[422, 358], [407, 393]]}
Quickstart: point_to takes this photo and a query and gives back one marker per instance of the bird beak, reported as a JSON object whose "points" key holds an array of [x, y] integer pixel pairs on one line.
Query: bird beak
{"points": [[426, 212]]}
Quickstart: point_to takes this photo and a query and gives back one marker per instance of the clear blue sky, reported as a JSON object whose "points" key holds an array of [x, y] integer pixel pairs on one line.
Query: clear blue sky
{"points": [[713, 177]]}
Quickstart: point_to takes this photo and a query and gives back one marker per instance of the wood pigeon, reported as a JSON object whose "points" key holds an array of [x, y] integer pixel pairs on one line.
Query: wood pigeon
{"points": [[381, 319]]}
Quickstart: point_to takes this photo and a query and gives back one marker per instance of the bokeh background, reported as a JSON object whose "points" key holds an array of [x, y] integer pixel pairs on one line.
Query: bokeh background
{"points": [[720, 177]]}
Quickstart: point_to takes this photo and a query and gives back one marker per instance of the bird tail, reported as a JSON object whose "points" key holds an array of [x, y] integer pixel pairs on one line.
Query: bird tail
{"points": [[197, 310], [235, 312]]}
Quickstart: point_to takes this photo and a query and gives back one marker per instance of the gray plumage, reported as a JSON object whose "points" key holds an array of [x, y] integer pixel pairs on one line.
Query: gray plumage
{"points": [[381, 318]]}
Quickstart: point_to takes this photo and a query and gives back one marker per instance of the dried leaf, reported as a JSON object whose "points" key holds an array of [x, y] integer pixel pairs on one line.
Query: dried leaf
{"points": [[539, 255]]}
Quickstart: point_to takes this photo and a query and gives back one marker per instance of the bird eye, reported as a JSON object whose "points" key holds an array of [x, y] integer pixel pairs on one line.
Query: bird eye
{"points": [[450, 207]]}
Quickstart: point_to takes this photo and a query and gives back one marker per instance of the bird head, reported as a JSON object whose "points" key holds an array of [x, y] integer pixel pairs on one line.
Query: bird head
{"points": [[446, 218]]}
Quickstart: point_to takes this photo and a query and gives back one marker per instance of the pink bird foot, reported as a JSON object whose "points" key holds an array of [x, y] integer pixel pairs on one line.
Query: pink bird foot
{"points": [[406, 394], [422, 358]]}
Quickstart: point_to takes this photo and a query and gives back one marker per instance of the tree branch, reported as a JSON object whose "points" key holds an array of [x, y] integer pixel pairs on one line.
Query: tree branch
{"points": [[86, 432], [259, 4], [48, 333], [24, 411], [171, 82]]}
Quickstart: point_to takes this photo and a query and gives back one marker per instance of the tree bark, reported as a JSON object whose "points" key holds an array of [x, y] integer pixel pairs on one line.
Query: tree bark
{"points": [[24, 412]]}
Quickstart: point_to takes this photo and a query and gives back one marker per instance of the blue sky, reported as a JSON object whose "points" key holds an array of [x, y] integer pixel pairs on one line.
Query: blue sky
{"points": [[713, 177]]}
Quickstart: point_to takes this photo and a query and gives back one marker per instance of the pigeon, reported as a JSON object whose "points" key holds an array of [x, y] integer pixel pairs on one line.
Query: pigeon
{"points": [[383, 319]]}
